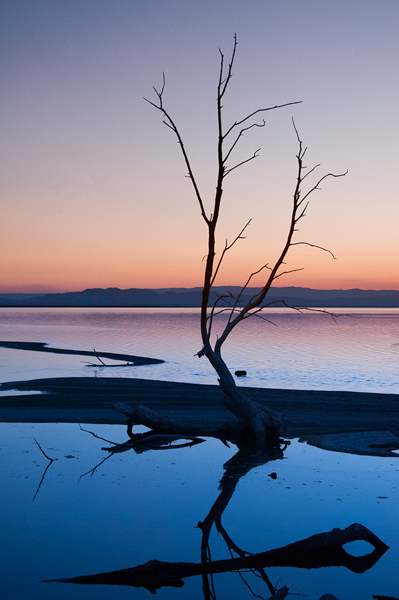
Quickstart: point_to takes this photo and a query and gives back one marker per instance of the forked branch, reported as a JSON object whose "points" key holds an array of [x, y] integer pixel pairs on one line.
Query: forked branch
{"points": [[262, 424], [227, 247], [168, 121], [299, 207]]}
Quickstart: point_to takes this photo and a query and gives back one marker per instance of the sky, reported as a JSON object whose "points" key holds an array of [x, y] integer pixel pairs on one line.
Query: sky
{"points": [[93, 187]]}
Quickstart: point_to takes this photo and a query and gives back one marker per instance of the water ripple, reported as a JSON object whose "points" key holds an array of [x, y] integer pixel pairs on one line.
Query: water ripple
{"points": [[359, 352]]}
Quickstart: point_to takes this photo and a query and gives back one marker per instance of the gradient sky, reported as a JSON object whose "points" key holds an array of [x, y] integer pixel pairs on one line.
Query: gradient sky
{"points": [[93, 187]]}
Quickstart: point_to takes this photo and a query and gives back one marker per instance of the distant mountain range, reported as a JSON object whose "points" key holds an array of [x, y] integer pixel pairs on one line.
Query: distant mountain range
{"points": [[191, 297]]}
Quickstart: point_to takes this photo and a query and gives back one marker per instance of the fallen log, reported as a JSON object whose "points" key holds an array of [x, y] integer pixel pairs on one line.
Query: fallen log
{"points": [[160, 423]]}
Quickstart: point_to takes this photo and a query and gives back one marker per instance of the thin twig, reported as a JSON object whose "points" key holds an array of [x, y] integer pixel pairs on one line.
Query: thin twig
{"points": [[314, 246], [98, 358], [95, 435], [41, 481], [43, 452], [94, 469], [51, 460], [227, 248]]}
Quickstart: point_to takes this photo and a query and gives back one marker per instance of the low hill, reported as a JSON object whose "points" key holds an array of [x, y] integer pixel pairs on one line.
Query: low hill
{"points": [[191, 297]]}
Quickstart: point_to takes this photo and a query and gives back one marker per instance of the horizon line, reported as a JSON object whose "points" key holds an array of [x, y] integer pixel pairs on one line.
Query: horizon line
{"points": [[194, 288]]}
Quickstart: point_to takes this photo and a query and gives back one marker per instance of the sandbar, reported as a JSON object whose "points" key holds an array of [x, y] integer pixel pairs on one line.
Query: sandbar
{"points": [[131, 359], [349, 421]]}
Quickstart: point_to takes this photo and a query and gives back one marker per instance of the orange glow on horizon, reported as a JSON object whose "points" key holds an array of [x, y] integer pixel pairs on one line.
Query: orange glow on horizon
{"points": [[94, 192]]}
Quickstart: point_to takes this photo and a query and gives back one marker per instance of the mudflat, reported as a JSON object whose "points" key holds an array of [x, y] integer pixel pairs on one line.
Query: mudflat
{"points": [[357, 417]]}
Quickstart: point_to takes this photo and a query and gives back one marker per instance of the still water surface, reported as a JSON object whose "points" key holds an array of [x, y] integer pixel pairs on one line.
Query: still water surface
{"points": [[137, 507], [357, 352]]}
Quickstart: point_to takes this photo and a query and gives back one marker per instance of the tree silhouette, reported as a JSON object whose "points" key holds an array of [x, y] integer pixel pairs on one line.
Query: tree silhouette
{"points": [[256, 425]]}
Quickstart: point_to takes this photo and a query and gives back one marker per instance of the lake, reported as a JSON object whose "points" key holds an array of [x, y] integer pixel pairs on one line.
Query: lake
{"points": [[359, 351], [84, 515]]}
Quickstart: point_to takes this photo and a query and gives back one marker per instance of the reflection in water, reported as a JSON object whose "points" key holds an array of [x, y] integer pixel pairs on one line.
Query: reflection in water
{"points": [[142, 442], [51, 460], [137, 506], [234, 469], [358, 353], [320, 550]]}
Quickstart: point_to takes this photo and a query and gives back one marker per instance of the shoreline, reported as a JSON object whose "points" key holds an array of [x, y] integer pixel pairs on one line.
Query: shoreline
{"points": [[346, 421]]}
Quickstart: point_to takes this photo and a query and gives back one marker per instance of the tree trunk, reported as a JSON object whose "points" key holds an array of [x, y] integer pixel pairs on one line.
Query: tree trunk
{"points": [[259, 425]]}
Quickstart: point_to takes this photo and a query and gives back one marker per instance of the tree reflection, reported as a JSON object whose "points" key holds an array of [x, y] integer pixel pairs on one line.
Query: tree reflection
{"points": [[51, 460], [234, 469], [142, 442], [320, 550]]}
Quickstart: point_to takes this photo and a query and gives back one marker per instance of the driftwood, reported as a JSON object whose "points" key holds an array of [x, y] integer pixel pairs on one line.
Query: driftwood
{"points": [[145, 416], [160, 423], [234, 430], [320, 550]]}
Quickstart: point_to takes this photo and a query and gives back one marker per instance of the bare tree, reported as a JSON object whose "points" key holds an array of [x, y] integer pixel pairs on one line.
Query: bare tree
{"points": [[258, 425]]}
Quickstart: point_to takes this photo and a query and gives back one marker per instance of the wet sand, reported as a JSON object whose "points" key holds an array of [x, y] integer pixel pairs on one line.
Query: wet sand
{"points": [[360, 419]]}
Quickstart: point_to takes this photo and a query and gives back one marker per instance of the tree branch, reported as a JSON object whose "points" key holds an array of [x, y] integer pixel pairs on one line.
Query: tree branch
{"points": [[170, 123], [313, 246], [296, 214], [255, 112], [243, 162], [227, 248], [263, 424], [239, 136]]}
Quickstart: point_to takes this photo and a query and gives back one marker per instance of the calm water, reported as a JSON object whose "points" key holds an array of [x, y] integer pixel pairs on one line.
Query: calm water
{"points": [[136, 507], [84, 517], [359, 352]]}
